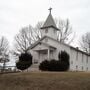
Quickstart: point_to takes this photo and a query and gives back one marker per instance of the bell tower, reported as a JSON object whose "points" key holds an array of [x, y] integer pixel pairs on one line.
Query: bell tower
{"points": [[49, 27]]}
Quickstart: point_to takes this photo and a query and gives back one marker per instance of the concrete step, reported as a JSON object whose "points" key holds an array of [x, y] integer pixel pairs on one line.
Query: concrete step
{"points": [[34, 67]]}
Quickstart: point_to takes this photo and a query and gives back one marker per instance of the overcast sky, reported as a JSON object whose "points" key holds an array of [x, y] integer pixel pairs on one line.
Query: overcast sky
{"points": [[15, 14]]}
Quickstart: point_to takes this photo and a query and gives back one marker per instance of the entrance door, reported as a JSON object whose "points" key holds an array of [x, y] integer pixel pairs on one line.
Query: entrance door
{"points": [[43, 57]]}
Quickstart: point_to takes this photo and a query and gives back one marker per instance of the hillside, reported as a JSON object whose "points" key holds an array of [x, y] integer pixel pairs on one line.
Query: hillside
{"points": [[45, 81]]}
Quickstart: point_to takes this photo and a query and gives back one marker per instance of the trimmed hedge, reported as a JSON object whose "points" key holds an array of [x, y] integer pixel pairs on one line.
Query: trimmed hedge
{"points": [[56, 65], [44, 65], [25, 61]]}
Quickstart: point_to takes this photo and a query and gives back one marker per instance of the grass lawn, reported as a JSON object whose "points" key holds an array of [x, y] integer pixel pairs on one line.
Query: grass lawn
{"points": [[45, 81]]}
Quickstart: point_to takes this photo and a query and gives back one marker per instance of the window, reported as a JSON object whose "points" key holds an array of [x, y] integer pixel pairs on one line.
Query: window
{"points": [[87, 68], [54, 31], [46, 31], [87, 59], [77, 56], [40, 43], [82, 57]]}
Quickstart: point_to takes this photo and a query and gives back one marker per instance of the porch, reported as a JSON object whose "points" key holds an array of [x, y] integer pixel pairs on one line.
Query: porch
{"points": [[44, 54]]}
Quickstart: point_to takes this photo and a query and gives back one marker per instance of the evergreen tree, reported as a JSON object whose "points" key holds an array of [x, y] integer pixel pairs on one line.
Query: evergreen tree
{"points": [[59, 56], [25, 61]]}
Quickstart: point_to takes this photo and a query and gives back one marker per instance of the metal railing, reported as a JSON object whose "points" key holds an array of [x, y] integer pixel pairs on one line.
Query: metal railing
{"points": [[9, 69]]}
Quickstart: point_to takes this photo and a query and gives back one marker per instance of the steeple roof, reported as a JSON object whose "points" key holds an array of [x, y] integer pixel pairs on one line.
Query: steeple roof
{"points": [[49, 22]]}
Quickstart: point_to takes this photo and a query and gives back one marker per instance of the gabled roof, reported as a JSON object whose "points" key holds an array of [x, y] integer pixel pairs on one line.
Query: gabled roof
{"points": [[36, 43], [49, 22], [39, 41]]}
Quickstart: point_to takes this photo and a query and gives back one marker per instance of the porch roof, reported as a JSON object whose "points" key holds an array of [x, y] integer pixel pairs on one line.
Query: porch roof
{"points": [[46, 44], [40, 42], [51, 48]]}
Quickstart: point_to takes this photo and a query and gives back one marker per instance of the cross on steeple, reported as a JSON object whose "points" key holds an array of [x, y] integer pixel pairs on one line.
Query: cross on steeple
{"points": [[50, 9]]}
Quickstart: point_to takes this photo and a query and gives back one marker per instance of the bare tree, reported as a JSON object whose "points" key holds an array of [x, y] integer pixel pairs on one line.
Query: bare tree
{"points": [[24, 39], [28, 35], [85, 42], [37, 29], [4, 46], [65, 33], [4, 51]]}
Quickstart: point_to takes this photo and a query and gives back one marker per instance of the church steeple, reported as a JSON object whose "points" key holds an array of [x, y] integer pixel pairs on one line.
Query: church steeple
{"points": [[49, 28], [49, 21]]}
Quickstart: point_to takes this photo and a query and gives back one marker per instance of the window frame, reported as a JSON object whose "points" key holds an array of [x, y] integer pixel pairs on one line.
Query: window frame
{"points": [[46, 30]]}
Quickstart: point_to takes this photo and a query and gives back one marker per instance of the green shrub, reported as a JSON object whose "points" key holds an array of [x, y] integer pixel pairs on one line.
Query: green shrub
{"points": [[65, 60], [53, 65], [56, 65], [64, 66], [44, 65], [25, 61], [59, 56], [64, 56]]}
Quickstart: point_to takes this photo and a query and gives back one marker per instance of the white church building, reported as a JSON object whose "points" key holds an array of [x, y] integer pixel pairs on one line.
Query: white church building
{"points": [[48, 47]]}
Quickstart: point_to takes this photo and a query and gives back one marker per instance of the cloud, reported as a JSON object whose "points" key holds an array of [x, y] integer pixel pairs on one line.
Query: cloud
{"points": [[15, 14]]}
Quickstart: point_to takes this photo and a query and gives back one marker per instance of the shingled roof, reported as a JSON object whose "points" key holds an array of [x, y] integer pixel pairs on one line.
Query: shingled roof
{"points": [[49, 22]]}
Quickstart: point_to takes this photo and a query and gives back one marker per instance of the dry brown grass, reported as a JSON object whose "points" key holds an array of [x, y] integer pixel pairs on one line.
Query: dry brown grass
{"points": [[45, 81]]}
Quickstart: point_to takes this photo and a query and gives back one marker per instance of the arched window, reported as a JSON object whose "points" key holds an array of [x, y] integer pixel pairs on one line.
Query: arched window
{"points": [[82, 57], [54, 31], [87, 59], [46, 31], [77, 56]]}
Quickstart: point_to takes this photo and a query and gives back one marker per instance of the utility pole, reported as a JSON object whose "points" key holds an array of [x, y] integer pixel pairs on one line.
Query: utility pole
{"points": [[4, 63]]}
